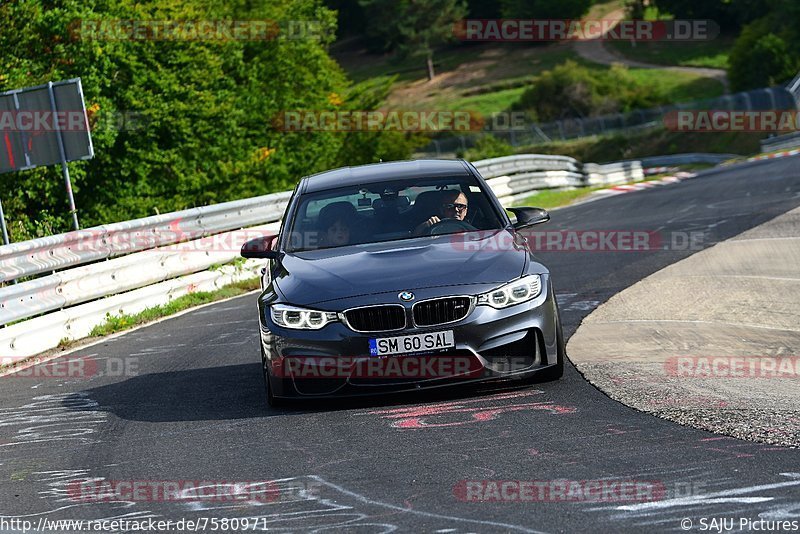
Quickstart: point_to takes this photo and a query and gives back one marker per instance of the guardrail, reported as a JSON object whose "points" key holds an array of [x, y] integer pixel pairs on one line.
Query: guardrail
{"points": [[495, 167], [789, 140], [82, 284], [513, 177], [613, 173], [794, 88], [126, 267], [61, 251], [764, 99], [781, 142], [686, 159]]}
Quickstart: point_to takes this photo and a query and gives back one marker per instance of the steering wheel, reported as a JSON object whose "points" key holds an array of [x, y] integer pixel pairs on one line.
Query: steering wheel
{"points": [[450, 226]]}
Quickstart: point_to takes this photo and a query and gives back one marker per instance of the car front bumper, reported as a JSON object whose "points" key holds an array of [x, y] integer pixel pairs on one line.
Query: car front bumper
{"points": [[508, 344]]}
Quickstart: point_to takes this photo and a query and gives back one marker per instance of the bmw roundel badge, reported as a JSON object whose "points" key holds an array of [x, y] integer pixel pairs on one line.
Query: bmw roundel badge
{"points": [[406, 296]]}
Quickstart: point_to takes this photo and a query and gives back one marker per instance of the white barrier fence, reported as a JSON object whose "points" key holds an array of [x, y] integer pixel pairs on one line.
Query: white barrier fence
{"points": [[612, 173], [76, 248], [794, 88], [82, 284], [507, 165], [781, 142], [126, 267]]}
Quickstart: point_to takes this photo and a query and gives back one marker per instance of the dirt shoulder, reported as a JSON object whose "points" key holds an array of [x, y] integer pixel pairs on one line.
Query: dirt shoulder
{"points": [[712, 341]]}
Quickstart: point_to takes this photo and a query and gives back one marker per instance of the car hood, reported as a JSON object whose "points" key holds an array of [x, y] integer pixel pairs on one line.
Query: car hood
{"points": [[314, 277]]}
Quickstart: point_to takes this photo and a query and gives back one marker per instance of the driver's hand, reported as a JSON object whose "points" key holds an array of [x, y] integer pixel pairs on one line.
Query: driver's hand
{"points": [[425, 225]]}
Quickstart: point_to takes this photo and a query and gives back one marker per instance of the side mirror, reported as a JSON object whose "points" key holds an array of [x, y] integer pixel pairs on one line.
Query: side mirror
{"points": [[529, 217], [260, 247]]}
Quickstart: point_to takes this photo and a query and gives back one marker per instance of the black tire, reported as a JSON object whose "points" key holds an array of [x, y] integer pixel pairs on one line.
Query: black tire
{"points": [[272, 401], [556, 371]]}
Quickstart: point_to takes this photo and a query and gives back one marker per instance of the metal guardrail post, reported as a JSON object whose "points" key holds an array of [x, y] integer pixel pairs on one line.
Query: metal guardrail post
{"points": [[794, 86]]}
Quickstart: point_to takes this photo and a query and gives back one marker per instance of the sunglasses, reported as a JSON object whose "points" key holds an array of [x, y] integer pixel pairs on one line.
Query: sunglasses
{"points": [[459, 207]]}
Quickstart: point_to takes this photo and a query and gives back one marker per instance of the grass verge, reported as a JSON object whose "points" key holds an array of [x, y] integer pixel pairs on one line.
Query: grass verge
{"points": [[490, 77], [556, 198], [124, 322], [678, 86], [118, 323], [712, 53]]}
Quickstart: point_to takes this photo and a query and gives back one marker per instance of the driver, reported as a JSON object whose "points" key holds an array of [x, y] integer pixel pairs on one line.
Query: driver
{"points": [[454, 206]]}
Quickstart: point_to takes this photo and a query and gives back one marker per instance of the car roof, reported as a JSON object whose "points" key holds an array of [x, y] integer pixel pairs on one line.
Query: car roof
{"points": [[383, 172]]}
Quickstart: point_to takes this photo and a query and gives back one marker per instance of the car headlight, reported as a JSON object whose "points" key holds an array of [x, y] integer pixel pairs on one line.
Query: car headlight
{"points": [[301, 318], [522, 290]]}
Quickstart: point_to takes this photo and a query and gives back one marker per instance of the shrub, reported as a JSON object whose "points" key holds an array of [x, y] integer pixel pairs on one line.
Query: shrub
{"points": [[760, 58], [571, 90]]}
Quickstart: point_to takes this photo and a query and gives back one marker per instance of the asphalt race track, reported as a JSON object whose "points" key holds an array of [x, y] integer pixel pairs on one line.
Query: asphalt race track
{"points": [[190, 406]]}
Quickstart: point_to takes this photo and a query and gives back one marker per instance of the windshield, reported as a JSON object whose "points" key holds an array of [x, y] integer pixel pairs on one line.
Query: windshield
{"points": [[389, 211]]}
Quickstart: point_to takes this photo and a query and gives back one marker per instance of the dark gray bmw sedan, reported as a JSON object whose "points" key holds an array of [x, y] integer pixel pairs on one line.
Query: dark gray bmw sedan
{"points": [[401, 276]]}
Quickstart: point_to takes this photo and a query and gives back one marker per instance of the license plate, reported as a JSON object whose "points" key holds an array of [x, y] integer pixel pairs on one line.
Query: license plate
{"points": [[433, 341]]}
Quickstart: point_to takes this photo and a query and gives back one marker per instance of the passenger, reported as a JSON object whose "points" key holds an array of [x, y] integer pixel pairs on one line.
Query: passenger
{"points": [[335, 224], [337, 234], [454, 206]]}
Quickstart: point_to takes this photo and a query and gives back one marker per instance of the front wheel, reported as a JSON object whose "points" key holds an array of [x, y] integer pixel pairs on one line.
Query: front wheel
{"points": [[272, 400], [556, 371]]}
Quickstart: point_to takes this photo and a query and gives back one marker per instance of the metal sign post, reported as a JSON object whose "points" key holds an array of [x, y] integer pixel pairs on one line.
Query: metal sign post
{"points": [[45, 125], [62, 152], [3, 224]]}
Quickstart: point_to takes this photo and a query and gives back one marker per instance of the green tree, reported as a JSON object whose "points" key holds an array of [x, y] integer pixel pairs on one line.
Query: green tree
{"points": [[760, 58], [199, 112], [545, 9], [767, 52], [426, 24], [570, 90], [483, 9], [351, 19], [368, 147], [416, 27], [730, 15]]}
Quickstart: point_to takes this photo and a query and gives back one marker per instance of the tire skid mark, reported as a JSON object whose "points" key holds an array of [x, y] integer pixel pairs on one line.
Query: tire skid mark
{"points": [[418, 417], [312, 504], [766, 501], [67, 417]]}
